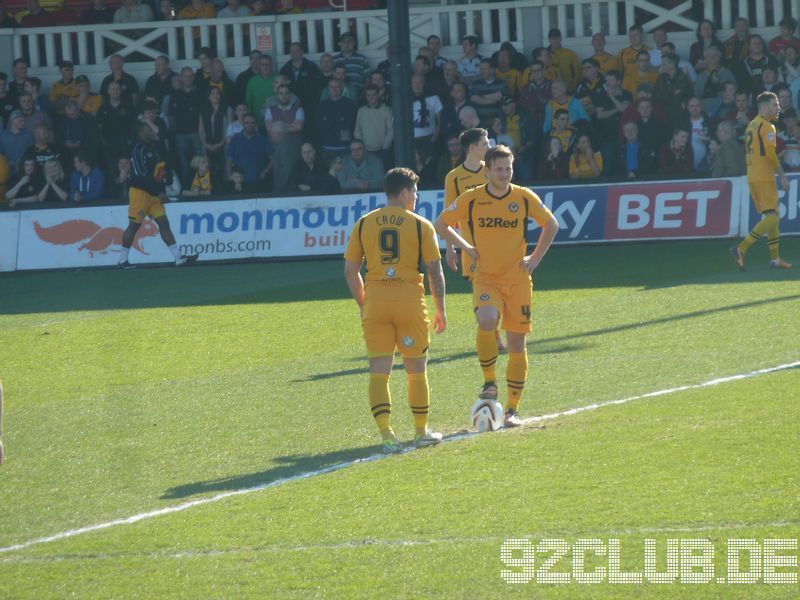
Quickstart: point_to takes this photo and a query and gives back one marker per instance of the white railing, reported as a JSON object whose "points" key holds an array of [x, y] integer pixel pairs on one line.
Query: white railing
{"points": [[525, 23]]}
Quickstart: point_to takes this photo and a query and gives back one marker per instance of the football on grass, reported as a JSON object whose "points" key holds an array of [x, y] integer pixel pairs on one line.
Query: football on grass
{"points": [[487, 415]]}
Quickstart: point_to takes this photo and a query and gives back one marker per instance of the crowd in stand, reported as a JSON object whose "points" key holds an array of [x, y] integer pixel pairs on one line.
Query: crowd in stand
{"points": [[326, 128]]}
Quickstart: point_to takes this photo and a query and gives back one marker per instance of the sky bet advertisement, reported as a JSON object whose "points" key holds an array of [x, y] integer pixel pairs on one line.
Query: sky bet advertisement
{"points": [[317, 226]]}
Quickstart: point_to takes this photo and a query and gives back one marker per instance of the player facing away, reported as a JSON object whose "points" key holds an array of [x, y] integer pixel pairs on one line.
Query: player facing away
{"points": [[394, 242], [497, 216], [466, 176], [146, 197], [762, 164]]}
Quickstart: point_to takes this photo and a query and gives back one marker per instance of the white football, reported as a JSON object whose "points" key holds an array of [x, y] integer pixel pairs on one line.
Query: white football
{"points": [[487, 415]]}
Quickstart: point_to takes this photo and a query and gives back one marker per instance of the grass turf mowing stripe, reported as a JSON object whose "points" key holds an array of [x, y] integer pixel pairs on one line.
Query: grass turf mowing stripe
{"points": [[374, 457]]}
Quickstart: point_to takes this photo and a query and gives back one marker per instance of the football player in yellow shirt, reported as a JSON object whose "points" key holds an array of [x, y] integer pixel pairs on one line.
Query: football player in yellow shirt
{"points": [[497, 216], [762, 164], [394, 242]]}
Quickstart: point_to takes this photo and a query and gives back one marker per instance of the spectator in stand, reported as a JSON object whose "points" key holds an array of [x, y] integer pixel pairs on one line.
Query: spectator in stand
{"points": [[700, 128], [736, 46], [214, 120], [450, 73], [711, 78], [87, 183], [517, 59], [784, 98], [449, 123], [636, 159], [643, 73], [469, 63], [33, 117], [585, 163], [554, 165], [115, 121], [565, 59], [672, 88], [375, 126], [23, 188], [787, 38], [450, 159], [33, 86], [469, 118], [287, 111], [204, 57], [330, 181], [133, 11], [251, 152], [288, 7], [38, 17], [304, 80], [161, 133], [184, 112], [609, 116], [348, 90], [769, 79], [727, 159], [742, 113], [355, 64], [790, 155], [725, 103], [87, 101], [234, 9], [42, 149], [259, 88], [128, 84], [243, 79], [675, 158], [683, 65], [590, 90], [218, 79], [790, 68], [629, 57], [385, 66], [434, 43], [645, 92], [121, 184], [749, 71], [19, 69], [607, 62], [6, 21], [55, 187], [237, 185], [542, 55], [97, 14], [336, 119], [706, 38], [309, 171], [533, 98], [425, 166], [202, 182], [325, 69], [159, 85], [426, 111], [506, 72], [15, 140], [235, 126], [64, 89], [165, 11], [281, 80], [652, 131], [197, 9], [487, 92], [434, 83], [562, 131], [659, 39], [561, 101], [384, 93], [361, 171]]}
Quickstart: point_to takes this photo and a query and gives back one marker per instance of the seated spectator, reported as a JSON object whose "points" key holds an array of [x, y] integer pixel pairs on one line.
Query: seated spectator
{"points": [[561, 101], [236, 185], [15, 140], [554, 165], [55, 185], [469, 63], [683, 65], [133, 11], [87, 183], [159, 85], [87, 101], [563, 132], [585, 163], [309, 171], [336, 119], [213, 123], [201, 183], [675, 159], [728, 158], [121, 183], [251, 152], [375, 125], [197, 9], [38, 17], [233, 10], [787, 38], [235, 126], [42, 150], [24, 188], [65, 89], [652, 130], [128, 84], [636, 159], [706, 38], [486, 93], [361, 171], [33, 117], [97, 14], [329, 184], [643, 73], [33, 86]]}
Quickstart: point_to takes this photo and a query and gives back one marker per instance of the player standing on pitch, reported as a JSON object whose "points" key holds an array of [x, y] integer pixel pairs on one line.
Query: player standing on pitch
{"points": [[395, 242], [762, 164], [497, 216], [146, 197]]}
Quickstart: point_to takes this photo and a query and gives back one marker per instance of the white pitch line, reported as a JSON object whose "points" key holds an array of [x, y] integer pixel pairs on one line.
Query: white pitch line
{"points": [[456, 437]]}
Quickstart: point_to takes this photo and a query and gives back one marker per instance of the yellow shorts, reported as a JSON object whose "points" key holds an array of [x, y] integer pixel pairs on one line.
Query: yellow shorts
{"points": [[401, 324], [141, 204], [764, 194], [512, 301]]}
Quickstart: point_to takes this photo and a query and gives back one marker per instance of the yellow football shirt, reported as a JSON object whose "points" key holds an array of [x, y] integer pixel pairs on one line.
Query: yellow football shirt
{"points": [[498, 226], [759, 141], [458, 181]]}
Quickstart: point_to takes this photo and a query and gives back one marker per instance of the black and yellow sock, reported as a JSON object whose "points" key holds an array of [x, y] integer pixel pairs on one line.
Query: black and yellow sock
{"points": [[380, 400], [487, 353], [773, 237], [419, 400], [761, 229], [516, 374]]}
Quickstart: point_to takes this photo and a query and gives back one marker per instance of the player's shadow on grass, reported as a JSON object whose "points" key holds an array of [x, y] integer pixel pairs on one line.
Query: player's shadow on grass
{"points": [[547, 345], [287, 467]]}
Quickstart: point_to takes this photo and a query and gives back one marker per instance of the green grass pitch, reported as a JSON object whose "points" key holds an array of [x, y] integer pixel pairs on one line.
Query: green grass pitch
{"points": [[129, 392]]}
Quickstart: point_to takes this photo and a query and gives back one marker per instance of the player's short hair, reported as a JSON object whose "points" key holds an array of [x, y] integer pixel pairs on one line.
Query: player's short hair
{"points": [[765, 98], [397, 180], [499, 151], [471, 136]]}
